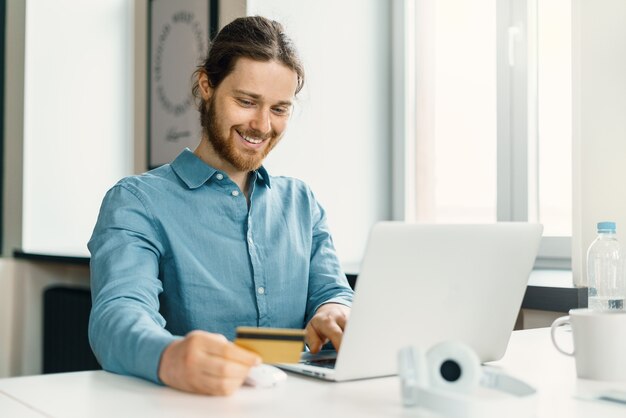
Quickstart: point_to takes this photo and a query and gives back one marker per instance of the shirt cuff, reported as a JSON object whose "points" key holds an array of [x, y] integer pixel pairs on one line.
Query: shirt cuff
{"points": [[339, 300], [148, 366]]}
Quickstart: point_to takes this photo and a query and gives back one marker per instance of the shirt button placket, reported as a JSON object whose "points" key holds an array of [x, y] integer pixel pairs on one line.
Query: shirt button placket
{"points": [[257, 277]]}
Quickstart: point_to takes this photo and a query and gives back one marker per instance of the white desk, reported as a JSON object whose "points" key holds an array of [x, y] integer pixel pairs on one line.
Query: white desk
{"points": [[100, 394], [10, 407]]}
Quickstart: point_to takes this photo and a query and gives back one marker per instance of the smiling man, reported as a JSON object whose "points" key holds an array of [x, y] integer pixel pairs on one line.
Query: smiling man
{"points": [[183, 254]]}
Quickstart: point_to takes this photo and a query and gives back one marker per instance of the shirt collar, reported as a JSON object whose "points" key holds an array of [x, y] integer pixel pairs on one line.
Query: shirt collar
{"points": [[194, 172], [263, 175]]}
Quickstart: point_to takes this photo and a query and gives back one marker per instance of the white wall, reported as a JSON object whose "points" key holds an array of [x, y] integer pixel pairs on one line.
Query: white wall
{"points": [[229, 10], [339, 140], [599, 97], [14, 115], [77, 118]]}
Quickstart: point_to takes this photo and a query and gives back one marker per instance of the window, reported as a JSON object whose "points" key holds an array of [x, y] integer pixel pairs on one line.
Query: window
{"points": [[456, 139], [490, 119], [554, 117]]}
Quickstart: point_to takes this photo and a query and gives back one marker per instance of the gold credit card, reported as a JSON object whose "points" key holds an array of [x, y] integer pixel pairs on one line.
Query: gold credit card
{"points": [[274, 345]]}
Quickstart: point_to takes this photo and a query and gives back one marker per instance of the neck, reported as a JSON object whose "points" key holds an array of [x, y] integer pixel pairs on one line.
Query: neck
{"points": [[206, 153]]}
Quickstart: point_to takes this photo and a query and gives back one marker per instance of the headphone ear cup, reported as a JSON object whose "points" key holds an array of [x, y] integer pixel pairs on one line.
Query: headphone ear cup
{"points": [[453, 365]]}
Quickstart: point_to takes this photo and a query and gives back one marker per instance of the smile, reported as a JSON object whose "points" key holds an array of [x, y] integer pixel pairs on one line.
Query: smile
{"points": [[250, 139]]}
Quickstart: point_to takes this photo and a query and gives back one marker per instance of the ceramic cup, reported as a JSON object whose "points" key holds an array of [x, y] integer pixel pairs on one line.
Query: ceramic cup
{"points": [[599, 343]]}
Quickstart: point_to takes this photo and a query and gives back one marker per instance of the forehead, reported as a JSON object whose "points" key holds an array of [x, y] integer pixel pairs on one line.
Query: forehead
{"points": [[272, 80]]}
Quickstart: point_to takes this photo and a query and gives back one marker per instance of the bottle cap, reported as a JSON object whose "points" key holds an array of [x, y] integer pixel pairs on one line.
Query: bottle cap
{"points": [[606, 226]]}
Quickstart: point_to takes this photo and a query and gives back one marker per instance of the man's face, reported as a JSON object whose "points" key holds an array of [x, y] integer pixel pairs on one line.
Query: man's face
{"points": [[248, 112]]}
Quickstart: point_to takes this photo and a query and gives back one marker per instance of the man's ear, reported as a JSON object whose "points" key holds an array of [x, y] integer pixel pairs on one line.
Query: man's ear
{"points": [[206, 90]]}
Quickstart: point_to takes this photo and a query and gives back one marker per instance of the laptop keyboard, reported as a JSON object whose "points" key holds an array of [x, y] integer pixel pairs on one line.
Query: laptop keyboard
{"points": [[328, 363]]}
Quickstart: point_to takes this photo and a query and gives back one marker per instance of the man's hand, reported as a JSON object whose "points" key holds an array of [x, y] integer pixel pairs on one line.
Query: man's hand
{"points": [[327, 324], [205, 363]]}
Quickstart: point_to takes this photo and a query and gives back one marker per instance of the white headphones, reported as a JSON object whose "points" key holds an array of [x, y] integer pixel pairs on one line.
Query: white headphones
{"points": [[447, 379]]}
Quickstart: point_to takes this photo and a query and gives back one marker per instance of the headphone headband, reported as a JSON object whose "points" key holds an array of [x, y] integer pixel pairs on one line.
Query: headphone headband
{"points": [[424, 386]]}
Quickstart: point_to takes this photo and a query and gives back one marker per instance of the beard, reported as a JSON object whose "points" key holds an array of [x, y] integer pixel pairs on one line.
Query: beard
{"points": [[241, 159]]}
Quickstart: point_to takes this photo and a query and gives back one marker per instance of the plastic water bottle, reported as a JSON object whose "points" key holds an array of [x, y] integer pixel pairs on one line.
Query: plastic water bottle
{"points": [[605, 270]]}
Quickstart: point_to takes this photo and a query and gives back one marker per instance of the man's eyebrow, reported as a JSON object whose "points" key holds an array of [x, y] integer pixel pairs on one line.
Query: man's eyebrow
{"points": [[258, 96]]}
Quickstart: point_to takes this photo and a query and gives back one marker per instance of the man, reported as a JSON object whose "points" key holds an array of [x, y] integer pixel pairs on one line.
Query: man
{"points": [[183, 254]]}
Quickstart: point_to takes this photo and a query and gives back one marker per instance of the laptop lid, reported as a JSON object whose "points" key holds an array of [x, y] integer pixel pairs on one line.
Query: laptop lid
{"points": [[420, 284]]}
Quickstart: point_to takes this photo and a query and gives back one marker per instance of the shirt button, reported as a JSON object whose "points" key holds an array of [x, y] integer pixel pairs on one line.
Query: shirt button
{"points": [[235, 193], [219, 176], [261, 290]]}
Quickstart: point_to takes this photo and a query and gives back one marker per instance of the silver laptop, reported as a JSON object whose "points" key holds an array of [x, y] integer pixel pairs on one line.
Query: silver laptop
{"points": [[420, 284]]}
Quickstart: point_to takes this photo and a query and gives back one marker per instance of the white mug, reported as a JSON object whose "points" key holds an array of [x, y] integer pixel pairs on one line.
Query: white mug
{"points": [[599, 343]]}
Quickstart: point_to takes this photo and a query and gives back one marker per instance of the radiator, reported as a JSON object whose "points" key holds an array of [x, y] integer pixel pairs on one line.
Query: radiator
{"points": [[65, 319]]}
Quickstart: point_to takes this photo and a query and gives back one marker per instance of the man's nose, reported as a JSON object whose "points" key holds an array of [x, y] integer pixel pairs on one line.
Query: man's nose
{"points": [[262, 122]]}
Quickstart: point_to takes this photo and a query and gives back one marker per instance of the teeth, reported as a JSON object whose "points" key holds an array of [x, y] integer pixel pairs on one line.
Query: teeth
{"points": [[252, 140]]}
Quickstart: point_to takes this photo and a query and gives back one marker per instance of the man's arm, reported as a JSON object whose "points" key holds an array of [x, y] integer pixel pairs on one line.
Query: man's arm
{"points": [[126, 330], [329, 295]]}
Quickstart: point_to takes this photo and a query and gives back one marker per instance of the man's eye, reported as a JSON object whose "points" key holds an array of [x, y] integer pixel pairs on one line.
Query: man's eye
{"points": [[246, 103], [280, 110]]}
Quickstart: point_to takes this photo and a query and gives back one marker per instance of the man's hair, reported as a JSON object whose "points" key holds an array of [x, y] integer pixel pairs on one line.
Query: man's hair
{"points": [[253, 37]]}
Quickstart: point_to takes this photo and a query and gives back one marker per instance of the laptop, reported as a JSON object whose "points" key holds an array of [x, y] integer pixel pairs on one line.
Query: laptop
{"points": [[421, 284]]}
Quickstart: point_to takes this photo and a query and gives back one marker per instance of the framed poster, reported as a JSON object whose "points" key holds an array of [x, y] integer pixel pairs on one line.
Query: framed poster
{"points": [[179, 36]]}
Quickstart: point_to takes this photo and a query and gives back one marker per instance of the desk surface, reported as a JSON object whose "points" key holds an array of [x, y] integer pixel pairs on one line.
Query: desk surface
{"points": [[10, 407], [530, 356]]}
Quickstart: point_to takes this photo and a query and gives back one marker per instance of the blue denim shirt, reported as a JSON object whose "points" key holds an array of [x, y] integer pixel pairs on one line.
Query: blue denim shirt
{"points": [[178, 249]]}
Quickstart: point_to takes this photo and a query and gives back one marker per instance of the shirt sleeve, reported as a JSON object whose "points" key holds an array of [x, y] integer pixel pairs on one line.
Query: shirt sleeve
{"points": [[327, 282], [126, 330]]}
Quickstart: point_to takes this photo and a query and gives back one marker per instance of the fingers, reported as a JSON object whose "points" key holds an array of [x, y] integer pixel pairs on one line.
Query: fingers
{"points": [[342, 320], [218, 386], [327, 324], [334, 333], [218, 345], [205, 363], [324, 329], [221, 367], [314, 340]]}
